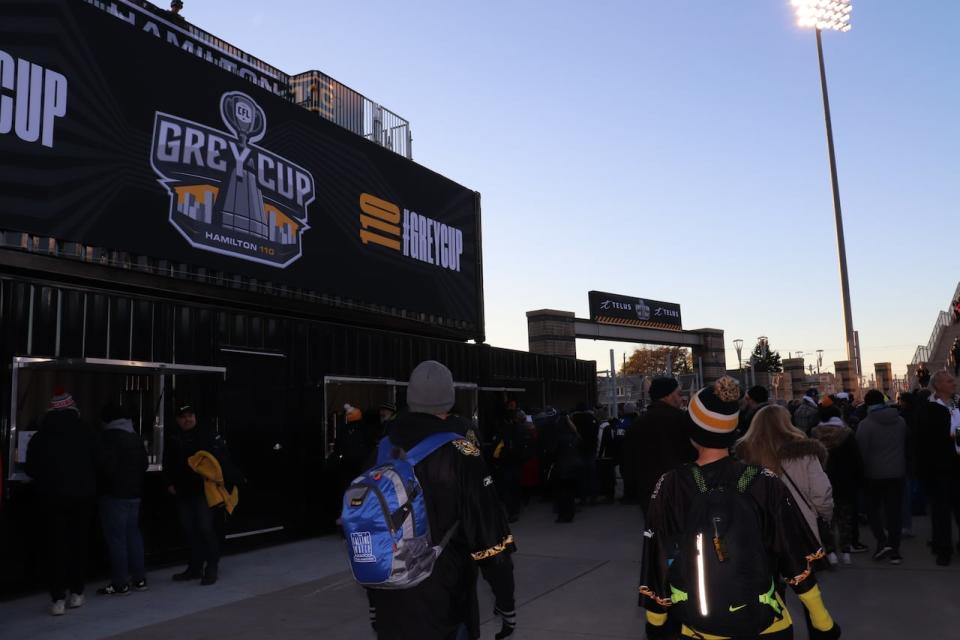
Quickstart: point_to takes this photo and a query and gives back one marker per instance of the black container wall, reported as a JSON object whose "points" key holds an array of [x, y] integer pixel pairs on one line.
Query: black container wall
{"points": [[270, 406]]}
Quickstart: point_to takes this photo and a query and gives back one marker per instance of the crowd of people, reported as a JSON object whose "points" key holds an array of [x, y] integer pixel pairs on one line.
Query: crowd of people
{"points": [[740, 496], [80, 471]]}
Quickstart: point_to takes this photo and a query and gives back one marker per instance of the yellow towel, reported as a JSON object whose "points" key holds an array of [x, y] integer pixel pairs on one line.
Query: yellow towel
{"points": [[206, 465]]}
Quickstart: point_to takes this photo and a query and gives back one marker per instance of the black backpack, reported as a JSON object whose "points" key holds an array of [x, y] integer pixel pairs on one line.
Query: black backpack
{"points": [[719, 572]]}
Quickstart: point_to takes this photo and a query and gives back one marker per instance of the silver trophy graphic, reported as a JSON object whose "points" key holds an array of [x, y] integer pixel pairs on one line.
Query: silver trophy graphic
{"points": [[240, 202]]}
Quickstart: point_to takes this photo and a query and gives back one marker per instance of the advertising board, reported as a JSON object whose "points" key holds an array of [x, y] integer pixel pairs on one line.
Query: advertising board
{"points": [[612, 308], [111, 137]]}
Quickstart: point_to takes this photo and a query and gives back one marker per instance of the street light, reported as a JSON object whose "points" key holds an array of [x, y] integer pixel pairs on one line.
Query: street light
{"points": [[833, 15], [738, 345]]}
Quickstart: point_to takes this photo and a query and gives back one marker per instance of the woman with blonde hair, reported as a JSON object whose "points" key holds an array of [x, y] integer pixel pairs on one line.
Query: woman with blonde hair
{"points": [[773, 442]]}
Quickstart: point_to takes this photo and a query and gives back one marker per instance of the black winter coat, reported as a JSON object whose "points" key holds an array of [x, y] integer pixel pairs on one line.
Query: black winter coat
{"points": [[121, 462], [660, 442], [457, 488], [844, 464], [936, 453], [61, 457]]}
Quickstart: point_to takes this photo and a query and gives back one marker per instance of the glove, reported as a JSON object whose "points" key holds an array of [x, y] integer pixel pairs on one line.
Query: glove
{"points": [[830, 634]]}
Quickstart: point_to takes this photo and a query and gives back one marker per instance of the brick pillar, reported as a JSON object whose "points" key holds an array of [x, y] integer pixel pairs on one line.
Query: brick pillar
{"points": [[797, 385], [847, 377], [713, 353], [883, 371], [552, 333]]}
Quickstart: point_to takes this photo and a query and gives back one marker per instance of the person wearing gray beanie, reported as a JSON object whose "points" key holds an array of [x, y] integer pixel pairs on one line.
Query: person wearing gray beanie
{"points": [[430, 389], [461, 501]]}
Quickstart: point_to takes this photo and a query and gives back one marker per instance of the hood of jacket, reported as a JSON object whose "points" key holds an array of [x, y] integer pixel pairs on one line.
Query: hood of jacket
{"points": [[122, 424], [885, 416], [803, 448], [832, 433], [410, 428]]}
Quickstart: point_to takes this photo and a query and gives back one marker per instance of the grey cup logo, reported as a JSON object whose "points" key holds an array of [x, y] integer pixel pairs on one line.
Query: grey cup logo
{"points": [[642, 309], [228, 195]]}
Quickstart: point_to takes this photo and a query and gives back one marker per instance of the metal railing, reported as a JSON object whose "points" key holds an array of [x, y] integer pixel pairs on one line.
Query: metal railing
{"points": [[944, 320], [185, 271], [335, 101]]}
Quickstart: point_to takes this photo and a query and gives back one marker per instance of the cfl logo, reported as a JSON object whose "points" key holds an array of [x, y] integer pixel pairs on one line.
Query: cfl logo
{"points": [[39, 98]]}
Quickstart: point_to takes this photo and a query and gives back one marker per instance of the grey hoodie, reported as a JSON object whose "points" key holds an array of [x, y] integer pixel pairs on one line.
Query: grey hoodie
{"points": [[882, 438]]}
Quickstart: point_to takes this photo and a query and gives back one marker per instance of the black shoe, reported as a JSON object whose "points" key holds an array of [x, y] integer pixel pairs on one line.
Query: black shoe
{"points": [[895, 558], [883, 552], [858, 547], [209, 577], [943, 559], [140, 585], [188, 574], [111, 590]]}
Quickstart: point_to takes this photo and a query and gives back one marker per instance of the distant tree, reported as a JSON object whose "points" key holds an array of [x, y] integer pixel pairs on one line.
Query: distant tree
{"points": [[766, 359], [653, 362]]}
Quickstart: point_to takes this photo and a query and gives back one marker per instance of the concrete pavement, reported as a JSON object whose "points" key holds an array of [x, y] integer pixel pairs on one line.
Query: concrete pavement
{"points": [[574, 581]]}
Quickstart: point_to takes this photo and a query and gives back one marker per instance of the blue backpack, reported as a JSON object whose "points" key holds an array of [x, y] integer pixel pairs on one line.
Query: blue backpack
{"points": [[385, 519]]}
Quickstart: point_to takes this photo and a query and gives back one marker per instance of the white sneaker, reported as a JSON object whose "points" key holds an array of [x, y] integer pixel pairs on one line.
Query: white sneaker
{"points": [[845, 558], [58, 608], [75, 600], [832, 559]]}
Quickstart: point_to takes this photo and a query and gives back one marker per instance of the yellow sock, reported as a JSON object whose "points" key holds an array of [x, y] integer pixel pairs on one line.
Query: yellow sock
{"points": [[819, 616]]}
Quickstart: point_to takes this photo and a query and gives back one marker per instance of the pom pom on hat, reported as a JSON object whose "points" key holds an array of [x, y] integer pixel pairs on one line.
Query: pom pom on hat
{"points": [[352, 413], [714, 413]]}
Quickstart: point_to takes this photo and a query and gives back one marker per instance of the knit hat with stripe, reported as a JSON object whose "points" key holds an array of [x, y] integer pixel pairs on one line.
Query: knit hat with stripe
{"points": [[62, 400], [714, 412]]}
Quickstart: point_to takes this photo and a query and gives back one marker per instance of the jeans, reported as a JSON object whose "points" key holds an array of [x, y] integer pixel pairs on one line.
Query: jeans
{"points": [[67, 522], [884, 501], [120, 518], [196, 519]]}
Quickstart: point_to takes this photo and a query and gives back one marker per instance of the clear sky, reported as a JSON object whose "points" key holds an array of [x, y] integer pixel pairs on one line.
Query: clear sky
{"points": [[670, 150]]}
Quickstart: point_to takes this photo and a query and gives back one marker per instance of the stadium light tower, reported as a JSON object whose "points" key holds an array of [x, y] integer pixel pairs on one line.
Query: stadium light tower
{"points": [[832, 15]]}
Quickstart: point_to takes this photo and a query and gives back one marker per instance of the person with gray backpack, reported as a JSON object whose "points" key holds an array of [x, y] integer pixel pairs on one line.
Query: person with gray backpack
{"points": [[420, 523]]}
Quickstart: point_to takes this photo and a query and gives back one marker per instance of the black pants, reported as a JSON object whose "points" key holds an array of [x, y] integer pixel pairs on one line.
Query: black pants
{"points": [[884, 502], [197, 521], [944, 494], [606, 478], [67, 524], [564, 492]]}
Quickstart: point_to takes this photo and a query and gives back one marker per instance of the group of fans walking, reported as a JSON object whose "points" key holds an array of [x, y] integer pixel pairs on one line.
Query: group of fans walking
{"points": [[741, 498]]}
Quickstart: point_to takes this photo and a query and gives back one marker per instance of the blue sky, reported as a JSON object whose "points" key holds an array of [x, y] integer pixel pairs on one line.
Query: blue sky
{"points": [[670, 150]]}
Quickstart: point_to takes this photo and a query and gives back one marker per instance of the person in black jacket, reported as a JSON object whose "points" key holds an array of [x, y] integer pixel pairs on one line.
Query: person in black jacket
{"points": [[660, 437], [196, 518], [121, 463], [61, 459], [938, 462], [458, 492]]}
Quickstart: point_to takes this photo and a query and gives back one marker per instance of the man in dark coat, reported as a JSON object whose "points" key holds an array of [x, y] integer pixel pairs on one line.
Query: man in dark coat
{"points": [[625, 462], [61, 459], [756, 398], [186, 486], [121, 465], [938, 462], [659, 439], [458, 492]]}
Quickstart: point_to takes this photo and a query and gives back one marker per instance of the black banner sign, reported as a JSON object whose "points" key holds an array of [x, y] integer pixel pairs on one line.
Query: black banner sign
{"points": [[111, 137], [611, 308]]}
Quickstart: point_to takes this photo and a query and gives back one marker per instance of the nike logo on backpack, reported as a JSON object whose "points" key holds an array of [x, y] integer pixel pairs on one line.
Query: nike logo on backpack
{"points": [[733, 608]]}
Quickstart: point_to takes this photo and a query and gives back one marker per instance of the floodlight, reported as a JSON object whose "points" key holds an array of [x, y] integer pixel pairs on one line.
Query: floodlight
{"points": [[830, 15]]}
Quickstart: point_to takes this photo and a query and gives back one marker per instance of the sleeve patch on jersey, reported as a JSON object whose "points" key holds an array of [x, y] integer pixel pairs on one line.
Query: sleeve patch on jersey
{"points": [[466, 447]]}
